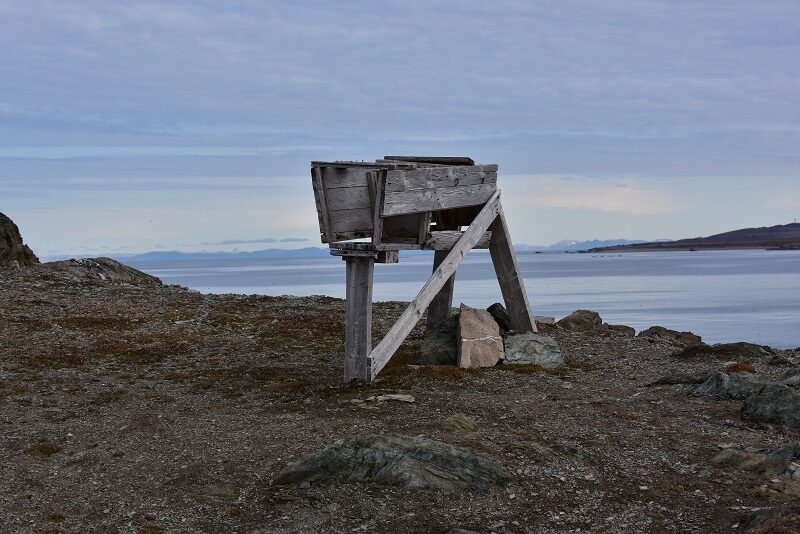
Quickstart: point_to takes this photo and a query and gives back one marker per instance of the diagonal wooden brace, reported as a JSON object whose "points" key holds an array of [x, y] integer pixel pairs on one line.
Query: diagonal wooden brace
{"points": [[382, 352]]}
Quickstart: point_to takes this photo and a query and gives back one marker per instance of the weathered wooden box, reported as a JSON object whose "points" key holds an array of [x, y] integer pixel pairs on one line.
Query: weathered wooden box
{"points": [[397, 200]]}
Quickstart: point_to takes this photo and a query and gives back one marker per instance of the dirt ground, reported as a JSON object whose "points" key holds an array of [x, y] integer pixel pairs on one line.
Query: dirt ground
{"points": [[144, 409]]}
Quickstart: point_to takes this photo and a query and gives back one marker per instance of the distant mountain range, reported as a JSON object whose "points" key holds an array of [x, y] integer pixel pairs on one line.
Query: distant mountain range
{"points": [[310, 252], [780, 237]]}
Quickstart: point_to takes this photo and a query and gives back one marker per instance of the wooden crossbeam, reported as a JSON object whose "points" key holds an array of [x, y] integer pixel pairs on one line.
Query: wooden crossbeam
{"points": [[381, 354]]}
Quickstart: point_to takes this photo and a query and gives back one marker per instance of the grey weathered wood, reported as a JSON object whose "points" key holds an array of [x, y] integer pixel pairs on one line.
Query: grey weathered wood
{"points": [[358, 321], [322, 205], [446, 160], [441, 198], [446, 239], [439, 308], [378, 180], [346, 198], [508, 275], [355, 220], [433, 177], [386, 348]]}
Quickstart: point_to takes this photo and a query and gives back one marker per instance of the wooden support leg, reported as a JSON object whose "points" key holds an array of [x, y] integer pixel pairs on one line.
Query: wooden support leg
{"points": [[443, 301], [395, 336], [505, 265], [358, 321]]}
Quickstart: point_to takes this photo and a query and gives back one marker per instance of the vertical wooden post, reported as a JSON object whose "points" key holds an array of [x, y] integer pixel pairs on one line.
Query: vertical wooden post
{"points": [[507, 270], [439, 308], [358, 321]]}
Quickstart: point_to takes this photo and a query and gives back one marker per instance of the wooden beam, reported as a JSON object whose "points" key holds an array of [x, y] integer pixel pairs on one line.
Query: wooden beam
{"points": [[508, 275], [358, 321], [381, 354], [446, 239], [440, 198], [458, 160], [322, 205], [439, 308], [433, 177]]}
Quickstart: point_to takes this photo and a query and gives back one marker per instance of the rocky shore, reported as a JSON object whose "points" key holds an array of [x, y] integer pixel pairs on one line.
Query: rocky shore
{"points": [[127, 405]]}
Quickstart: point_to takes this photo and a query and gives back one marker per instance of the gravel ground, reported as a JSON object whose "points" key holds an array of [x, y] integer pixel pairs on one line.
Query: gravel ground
{"points": [[141, 408]]}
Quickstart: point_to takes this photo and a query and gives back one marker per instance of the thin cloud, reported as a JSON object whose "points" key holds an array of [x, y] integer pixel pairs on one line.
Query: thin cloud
{"points": [[255, 241]]}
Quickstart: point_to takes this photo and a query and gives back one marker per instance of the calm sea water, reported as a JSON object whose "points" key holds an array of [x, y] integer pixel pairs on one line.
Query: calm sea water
{"points": [[750, 295]]}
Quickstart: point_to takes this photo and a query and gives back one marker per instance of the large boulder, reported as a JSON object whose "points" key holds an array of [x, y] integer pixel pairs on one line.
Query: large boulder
{"points": [[501, 316], [479, 340], [532, 348], [581, 321], [407, 462], [732, 386], [768, 463], [440, 344], [104, 269], [13, 251], [659, 333], [775, 403]]}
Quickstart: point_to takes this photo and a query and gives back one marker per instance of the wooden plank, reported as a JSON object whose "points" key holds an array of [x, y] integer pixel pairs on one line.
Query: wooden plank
{"points": [[322, 205], [439, 308], [507, 270], [424, 226], [335, 177], [379, 179], [347, 198], [358, 319], [446, 239], [451, 160], [400, 330], [392, 164], [421, 200], [433, 177], [350, 221]]}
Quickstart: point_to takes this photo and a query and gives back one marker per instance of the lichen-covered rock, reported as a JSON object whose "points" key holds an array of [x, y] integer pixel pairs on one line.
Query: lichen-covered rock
{"points": [[618, 330], [13, 252], [659, 333], [733, 386], [440, 344], [581, 321], [730, 351], [768, 463], [479, 341], [532, 348], [774, 403], [407, 462], [104, 269]]}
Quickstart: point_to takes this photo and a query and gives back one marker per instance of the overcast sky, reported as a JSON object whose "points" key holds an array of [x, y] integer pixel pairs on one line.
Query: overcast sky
{"points": [[130, 126]]}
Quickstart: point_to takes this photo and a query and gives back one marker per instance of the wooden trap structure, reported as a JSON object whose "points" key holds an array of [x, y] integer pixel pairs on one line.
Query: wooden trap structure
{"points": [[369, 212]]}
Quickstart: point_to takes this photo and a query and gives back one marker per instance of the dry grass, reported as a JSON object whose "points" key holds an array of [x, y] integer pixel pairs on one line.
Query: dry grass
{"points": [[43, 448], [740, 367]]}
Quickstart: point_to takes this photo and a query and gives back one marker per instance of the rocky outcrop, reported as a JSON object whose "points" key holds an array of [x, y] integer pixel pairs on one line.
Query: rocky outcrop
{"points": [[768, 463], [581, 321], [730, 351], [479, 341], [737, 386], [775, 403], [13, 251], [407, 462], [532, 348], [104, 269], [659, 333]]}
